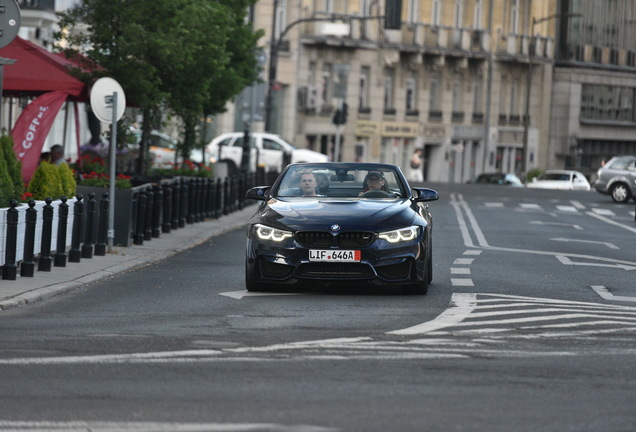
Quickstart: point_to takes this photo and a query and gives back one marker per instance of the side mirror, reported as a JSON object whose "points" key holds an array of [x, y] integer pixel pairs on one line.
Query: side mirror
{"points": [[425, 194], [260, 193]]}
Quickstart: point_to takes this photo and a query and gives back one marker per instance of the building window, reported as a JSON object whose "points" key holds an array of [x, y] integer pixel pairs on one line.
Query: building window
{"points": [[411, 92], [413, 11], [325, 85], [514, 17], [607, 103], [281, 18], [324, 6], [478, 16], [434, 102], [457, 95], [389, 88], [436, 14], [459, 13], [477, 96], [513, 97], [363, 95]]}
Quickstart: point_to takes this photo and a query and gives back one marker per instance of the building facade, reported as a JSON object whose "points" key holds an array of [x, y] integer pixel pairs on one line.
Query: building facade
{"points": [[452, 81], [593, 114]]}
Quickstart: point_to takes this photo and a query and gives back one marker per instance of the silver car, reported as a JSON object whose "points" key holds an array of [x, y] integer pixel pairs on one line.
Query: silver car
{"points": [[617, 178]]}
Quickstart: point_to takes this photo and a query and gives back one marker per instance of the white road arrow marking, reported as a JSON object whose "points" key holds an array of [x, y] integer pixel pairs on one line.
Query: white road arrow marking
{"points": [[607, 295], [556, 224], [244, 293], [609, 245], [567, 261]]}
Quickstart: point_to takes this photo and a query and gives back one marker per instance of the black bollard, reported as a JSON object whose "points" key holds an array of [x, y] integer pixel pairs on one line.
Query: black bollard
{"points": [[148, 216], [167, 209], [75, 253], [102, 225], [44, 263], [10, 268], [87, 247], [141, 217], [62, 220], [218, 199], [157, 208], [176, 204], [27, 267], [191, 218], [183, 206]]}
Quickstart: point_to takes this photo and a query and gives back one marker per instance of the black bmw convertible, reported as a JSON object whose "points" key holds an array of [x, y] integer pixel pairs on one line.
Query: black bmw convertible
{"points": [[357, 223]]}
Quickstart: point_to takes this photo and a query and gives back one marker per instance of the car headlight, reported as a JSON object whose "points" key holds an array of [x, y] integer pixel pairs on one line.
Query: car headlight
{"points": [[264, 232], [400, 235]]}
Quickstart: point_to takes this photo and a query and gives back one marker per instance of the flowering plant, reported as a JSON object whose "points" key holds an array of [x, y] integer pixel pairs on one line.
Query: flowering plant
{"points": [[91, 164], [98, 179]]}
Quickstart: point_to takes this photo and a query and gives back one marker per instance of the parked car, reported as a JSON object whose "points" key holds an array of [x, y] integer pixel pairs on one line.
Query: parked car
{"points": [[560, 180], [617, 178], [504, 179], [268, 150], [366, 226]]}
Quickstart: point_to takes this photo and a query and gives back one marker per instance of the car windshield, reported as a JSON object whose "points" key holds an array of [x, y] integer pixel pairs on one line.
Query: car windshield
{"points": [[341, 181], [556, 176]]}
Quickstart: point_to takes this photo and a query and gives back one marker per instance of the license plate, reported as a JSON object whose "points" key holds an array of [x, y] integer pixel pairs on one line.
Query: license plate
{"points": [[317, 255]]}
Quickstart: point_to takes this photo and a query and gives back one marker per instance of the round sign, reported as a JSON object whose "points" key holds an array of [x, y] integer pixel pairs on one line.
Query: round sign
{"points": [[102, 95], [9, 22]]}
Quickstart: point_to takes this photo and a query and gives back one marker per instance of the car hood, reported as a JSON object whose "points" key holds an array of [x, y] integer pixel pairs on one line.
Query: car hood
{"points": [[320, 214]]}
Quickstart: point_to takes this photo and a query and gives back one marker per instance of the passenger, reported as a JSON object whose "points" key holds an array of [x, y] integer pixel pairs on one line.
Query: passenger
{"points": [[323, 183], [374, 180]]}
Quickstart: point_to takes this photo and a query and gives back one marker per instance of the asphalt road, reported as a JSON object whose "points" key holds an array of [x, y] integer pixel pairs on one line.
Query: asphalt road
{"points": [[529, 325]]}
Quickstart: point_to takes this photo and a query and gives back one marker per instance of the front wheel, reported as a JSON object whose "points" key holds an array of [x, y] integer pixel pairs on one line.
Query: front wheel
{"points": [[419, 288], [620, 193]]}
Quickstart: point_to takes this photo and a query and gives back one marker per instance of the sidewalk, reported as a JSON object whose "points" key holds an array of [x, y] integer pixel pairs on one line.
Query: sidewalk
{"points": [[26, 290]]}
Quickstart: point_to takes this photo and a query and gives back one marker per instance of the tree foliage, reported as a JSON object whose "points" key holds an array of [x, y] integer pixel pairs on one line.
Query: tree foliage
{"points": [[186, 56]]}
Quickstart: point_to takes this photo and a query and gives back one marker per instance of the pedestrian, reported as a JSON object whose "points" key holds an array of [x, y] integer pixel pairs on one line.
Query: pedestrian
{"points": [[45, 157], [57, 154], [417, 159]]}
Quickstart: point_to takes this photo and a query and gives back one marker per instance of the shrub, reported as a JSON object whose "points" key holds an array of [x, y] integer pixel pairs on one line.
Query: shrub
{"points": [[13, 167], [46, 182], [68, 180], [6, 186]]}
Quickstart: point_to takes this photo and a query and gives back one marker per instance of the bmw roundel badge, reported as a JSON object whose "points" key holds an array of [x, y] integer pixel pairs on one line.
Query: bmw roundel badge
{"points": [[335, 227]]}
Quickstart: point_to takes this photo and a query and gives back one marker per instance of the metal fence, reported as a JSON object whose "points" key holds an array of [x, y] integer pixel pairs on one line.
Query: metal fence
{"points": [[53, 233]]}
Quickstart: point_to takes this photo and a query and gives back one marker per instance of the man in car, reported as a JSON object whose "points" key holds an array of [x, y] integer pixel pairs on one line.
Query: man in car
{"points": [[308, 184]]}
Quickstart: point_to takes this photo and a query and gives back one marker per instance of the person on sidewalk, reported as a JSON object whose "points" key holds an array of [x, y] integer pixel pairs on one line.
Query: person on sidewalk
{"points": [[57, 154]]}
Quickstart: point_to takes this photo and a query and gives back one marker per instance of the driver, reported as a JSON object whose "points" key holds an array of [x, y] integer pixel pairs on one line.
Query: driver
{"points": [[308, 184], [374, 181]]}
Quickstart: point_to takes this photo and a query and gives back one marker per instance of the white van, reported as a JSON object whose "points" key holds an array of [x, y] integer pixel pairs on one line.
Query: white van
{"points": [[268, 150]]}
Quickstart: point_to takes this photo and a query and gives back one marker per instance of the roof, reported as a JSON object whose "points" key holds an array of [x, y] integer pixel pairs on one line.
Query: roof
{"points": [[38, 71]]}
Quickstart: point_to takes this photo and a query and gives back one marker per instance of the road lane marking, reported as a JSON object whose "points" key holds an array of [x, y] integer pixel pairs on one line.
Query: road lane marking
{"points": [[607, 295], [460, 270], [462, 282], [567, 209], [603, 212], [98, 426], [611, 222], [245, 293], [461, 305], [575, 226], [609, 245], [463, 261], [473, 252], [567, 261]]}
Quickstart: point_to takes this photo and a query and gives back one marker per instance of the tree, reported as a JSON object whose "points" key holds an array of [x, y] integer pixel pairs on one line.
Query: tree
{"points": [[166, 54]]}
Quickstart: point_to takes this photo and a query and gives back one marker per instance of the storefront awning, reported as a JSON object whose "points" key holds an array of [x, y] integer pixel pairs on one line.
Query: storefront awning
{"points": [[37, 71]]}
